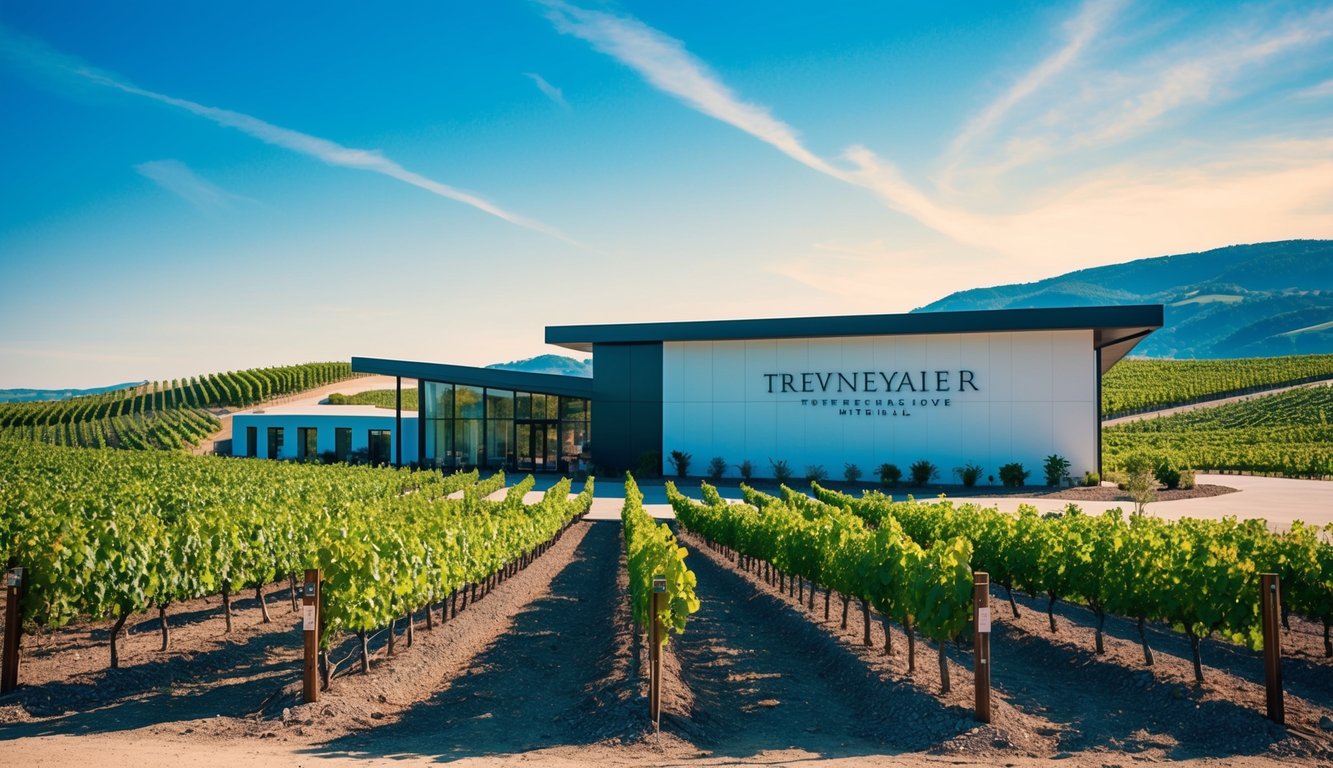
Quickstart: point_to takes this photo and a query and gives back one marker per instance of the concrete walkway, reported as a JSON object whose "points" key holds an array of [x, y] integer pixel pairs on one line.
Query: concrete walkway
{"points": [[1278, 500]]}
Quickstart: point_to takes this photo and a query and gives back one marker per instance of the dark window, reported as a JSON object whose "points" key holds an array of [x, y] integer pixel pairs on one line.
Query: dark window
{"points": [[275, 442], [307, 442], [342, 443], [252, 441], [379, 442]]}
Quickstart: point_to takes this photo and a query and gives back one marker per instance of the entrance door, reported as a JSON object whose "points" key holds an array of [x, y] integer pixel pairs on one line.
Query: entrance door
{"points": [[538, 445]]}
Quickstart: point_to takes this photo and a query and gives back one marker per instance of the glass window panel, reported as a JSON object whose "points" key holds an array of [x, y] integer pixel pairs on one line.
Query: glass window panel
{"points": [[572, 408], [499, 404], [439, 443], [342, 443], [538, 406], [467, 441], [274, 442], [499, 443], [307, 442], [439, 400], [522, 405], [467, 402]]}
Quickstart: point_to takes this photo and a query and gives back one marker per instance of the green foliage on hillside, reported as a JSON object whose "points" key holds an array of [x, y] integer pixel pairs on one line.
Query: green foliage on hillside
{"points": [[162, 414], [1264, 299], [1134, 386], [380, 398], [1289, 434]]}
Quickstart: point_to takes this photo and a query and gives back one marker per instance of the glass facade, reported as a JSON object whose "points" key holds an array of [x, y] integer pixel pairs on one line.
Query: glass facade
{"points": [[466, 427]]}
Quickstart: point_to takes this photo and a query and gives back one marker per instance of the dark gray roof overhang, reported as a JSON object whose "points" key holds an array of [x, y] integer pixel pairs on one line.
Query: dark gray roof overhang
{"points": [[1116, 329], [497, 378]]}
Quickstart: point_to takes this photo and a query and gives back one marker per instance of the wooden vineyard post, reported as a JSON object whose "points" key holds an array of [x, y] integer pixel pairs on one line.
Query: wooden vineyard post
{"points": [[655, 652], [1271, 606], [981, 643], [310, 630], [9, 676]]}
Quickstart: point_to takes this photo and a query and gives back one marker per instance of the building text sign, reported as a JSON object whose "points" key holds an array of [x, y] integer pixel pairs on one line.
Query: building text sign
{"points": [[881, 383]]}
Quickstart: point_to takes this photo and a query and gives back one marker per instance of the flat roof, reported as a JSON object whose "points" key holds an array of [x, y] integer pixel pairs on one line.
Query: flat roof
{"points": [[1116, 329], [497, 378]]}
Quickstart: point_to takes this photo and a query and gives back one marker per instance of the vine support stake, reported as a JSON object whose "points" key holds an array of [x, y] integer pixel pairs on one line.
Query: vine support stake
{"points": [[310, 630], [981, 643], [1271, 607], [655, 652], [9, 676]]}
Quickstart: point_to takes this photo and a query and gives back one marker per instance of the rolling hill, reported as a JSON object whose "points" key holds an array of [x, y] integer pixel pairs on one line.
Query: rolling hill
{"points": [[1259, 300], [556, 364]]}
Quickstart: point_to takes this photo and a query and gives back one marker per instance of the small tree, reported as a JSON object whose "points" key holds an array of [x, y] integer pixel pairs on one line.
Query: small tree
{"points": [[815, 473], [851, 473], [969, 474], [1013, 475], [1057, 468], [680, 461], [923, 472], [781, 470], [889, 474], [1140, 481], [746, 470], [717, 467]]}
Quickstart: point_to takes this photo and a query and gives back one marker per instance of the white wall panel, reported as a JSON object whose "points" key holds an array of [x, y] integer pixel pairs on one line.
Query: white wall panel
{"points": [[1034, 395]]}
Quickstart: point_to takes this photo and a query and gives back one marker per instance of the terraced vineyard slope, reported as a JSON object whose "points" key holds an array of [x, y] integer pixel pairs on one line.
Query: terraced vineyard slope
{"points": [[1286, 434], [160, 415]]}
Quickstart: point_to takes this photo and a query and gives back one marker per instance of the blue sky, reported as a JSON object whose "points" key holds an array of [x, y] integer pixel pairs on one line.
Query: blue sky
{"points": [[196, 188]]}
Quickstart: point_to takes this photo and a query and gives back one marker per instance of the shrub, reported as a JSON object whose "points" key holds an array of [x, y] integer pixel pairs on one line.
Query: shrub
{"points": [[717, 467], [969, 474], [680, 461], [650, 464], [889, 474], [1013, 475], [814, 473], [747, 470], [923, 472], [1057, 468], [1167, 475], [781, 470], [1091, 480], [1186, 479], [851, 473]]}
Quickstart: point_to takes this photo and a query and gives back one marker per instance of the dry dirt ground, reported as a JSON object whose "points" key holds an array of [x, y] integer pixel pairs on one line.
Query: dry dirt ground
{"points": [[545, 670]]}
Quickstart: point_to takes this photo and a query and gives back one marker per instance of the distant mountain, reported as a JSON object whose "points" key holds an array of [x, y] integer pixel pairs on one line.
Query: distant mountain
{"points": [[1258, 300], [556, 364], [36, 395]]}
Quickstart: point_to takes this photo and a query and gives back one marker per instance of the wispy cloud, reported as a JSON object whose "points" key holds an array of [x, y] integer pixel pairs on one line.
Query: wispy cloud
{"points": [[1082, 29], [38, 55], [663, 62], [550, 91], [178, 178], [1103, 214]]}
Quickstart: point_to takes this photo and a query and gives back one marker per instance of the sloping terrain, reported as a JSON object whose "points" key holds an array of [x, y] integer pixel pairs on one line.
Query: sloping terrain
{"points": [[1258, 300]]}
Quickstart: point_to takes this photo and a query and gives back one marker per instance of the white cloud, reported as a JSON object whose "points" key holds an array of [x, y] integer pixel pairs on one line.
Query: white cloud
{"points": [[37, 55], [177, 178], [551, 92], [665, 64], [1082, 29], [1104, 214]]}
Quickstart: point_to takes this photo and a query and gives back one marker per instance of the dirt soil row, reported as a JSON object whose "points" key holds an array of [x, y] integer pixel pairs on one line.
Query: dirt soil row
{"points": [[1054, 698], [547, 669]]}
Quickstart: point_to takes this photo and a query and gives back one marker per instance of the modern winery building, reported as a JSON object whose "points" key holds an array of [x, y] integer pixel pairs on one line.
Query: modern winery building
{"points": [[985, 388]]}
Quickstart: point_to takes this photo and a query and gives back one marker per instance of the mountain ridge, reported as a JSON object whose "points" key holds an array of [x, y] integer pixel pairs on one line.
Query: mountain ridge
{"points": [[1253, 300]]}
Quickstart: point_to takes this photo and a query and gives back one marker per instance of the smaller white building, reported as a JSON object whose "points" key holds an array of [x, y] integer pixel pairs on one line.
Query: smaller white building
{"points": [[355, 433]]}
